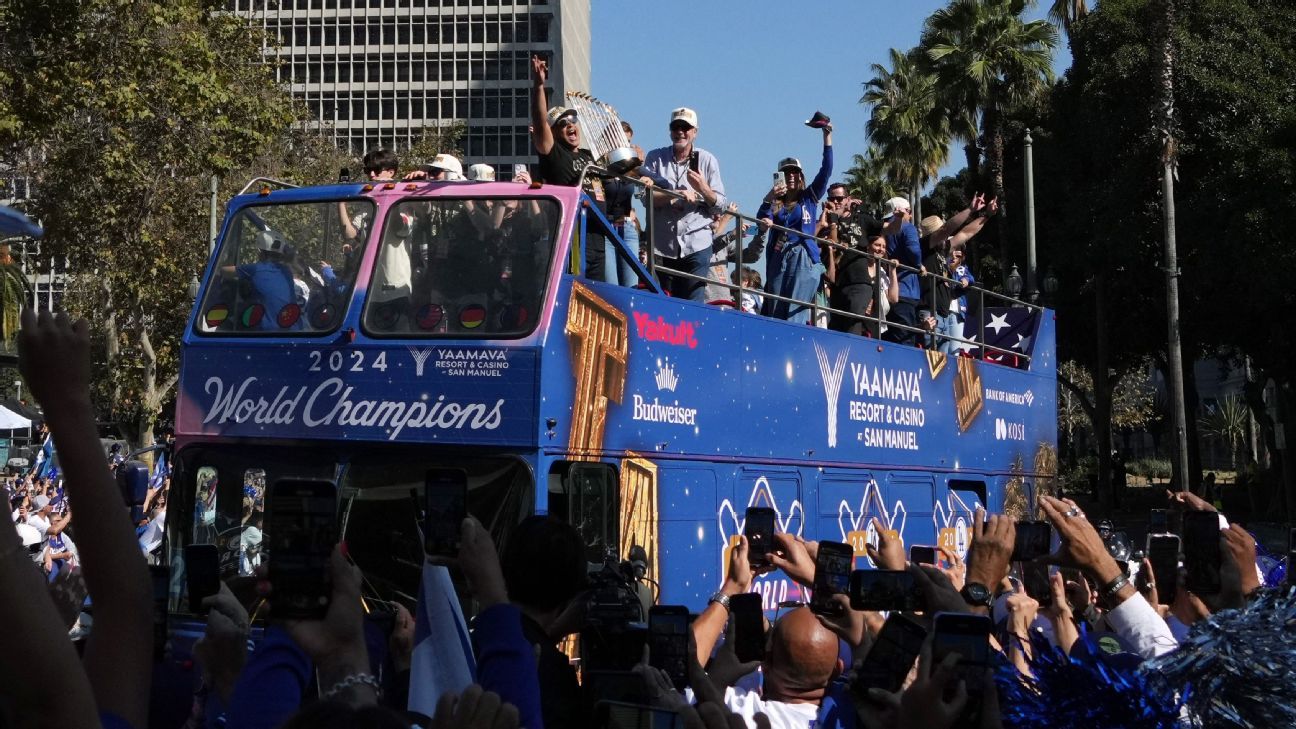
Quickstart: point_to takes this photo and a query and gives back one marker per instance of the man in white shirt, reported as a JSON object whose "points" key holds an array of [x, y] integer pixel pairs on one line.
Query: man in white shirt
{"points": [[39, 517], [801, 657]]}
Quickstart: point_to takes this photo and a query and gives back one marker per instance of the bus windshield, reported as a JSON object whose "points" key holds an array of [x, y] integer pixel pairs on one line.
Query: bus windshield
{"points": [[286, 269], [461, 267]]}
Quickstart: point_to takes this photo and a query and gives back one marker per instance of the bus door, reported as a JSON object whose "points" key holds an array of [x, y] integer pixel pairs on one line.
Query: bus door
{"points": [[780, 488], [911, 496], [848, 503], [955, 510]]}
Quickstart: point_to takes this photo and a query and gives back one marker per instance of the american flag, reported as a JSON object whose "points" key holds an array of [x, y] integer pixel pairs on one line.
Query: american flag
{"points": [[1008, 328]]}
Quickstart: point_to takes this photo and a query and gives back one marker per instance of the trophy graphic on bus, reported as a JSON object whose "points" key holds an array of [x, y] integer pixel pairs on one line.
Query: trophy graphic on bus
{"points": [[600, 128], [953, 520]]}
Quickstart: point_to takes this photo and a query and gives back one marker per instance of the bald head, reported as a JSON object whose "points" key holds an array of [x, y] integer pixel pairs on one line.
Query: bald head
{"points": [[802, 658]]}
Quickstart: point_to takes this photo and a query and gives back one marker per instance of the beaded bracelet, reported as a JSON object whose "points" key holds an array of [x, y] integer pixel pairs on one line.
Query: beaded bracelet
{"points": [[353, 680]]}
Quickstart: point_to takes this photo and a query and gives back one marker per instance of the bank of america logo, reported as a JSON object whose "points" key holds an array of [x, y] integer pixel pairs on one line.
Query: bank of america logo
{"points": [[1030, 398], [666, 379]]}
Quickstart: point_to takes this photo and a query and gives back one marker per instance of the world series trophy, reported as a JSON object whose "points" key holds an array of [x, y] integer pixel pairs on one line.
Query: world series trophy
{"points": [[601, 129]]}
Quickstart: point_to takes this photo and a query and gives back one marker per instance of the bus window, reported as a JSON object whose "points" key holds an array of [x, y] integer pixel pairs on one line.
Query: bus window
{"points": [[252, 522], [286, 269], [459, 267], [586, 495], [205, 495]]}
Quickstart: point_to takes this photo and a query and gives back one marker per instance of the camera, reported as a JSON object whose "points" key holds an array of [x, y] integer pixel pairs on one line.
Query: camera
{"points": [[613, 633]]}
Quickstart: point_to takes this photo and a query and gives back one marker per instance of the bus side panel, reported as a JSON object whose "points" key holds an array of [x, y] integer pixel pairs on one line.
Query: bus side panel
{"points": [[687, 536]]}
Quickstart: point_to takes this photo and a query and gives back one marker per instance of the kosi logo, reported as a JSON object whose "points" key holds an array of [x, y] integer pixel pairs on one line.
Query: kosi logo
{"points": [[1008, 430]]}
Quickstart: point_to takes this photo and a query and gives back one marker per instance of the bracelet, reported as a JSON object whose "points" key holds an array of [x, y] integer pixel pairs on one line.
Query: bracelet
{"points": [[351, 681], [1111, 588]]}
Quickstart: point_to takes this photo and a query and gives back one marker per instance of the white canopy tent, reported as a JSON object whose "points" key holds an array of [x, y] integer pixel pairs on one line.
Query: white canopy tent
{"points": [[9, 420]]}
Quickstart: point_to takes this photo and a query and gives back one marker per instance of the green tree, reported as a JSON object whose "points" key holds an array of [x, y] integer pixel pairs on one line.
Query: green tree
{"points": [[867, 179], [119, 113], [987, 60], [908, 129], [1065, 13]]}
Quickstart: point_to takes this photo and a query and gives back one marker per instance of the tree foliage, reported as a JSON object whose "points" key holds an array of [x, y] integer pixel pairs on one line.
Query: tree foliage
{"points": [[119, 112]]}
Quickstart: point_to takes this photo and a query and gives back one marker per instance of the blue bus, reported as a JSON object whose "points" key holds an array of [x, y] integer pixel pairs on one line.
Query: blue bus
{"points": [[370, 334]]}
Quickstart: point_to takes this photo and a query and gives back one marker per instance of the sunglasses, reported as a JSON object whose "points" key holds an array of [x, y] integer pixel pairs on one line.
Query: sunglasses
{"points": [[680, 127], [836, 198]]}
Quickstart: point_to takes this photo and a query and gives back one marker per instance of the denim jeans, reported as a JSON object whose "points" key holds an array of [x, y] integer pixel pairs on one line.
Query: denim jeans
{"points": [[796, 277], [619, 270], [954, 328], [685, 288]]}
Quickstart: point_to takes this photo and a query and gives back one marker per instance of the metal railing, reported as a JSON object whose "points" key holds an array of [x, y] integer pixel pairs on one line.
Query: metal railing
{"points": [[882, 264]]}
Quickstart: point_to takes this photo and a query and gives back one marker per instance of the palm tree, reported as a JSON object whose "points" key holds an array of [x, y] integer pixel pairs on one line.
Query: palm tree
{"points": [[867, 180], [987, 60], [1063, 13], [909, 130]]}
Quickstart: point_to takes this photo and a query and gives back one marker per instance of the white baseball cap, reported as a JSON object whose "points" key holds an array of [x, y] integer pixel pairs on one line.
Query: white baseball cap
{"points": [[447, 162], [686, 115], [558, 113], [894, 205], [40, 502], [481, 172]]}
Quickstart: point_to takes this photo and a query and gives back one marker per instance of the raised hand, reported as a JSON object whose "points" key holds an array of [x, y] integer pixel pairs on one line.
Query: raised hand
{"points": [[794, 557], [54, 358], [991, 550], [1242, 546], [889, 554], [539, 70], [475, 708]]}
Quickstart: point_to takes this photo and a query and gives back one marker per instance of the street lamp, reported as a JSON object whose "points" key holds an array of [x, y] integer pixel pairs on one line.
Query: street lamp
{"points": [[1014, 283], [193, 289], [1050, 282]]}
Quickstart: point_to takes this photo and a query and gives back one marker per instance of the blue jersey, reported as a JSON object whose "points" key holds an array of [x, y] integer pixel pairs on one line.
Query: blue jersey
{"points": [[273, 288]]}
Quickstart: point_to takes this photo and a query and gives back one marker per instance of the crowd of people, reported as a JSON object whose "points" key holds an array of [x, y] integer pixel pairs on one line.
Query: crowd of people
{"points": [[817, 667]]}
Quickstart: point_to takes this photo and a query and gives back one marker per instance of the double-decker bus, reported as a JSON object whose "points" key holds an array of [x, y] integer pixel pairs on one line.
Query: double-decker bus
{"points": [[453, 331]]}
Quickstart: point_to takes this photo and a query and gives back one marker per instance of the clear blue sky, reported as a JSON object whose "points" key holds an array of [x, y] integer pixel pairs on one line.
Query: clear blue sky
{"points": [[754, 70]]}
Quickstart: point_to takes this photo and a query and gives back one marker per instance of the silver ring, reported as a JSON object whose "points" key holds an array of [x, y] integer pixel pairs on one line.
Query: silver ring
{"points": [[1151, 585], [1075, 511]]}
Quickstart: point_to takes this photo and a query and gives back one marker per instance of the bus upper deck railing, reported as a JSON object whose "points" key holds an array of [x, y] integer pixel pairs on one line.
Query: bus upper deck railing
{"points": [[881, 261]]}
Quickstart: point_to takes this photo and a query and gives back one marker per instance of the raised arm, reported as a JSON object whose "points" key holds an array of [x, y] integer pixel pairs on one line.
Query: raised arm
{"points": [[819, 187], [54, 357], [710, 625], [541, 134]]}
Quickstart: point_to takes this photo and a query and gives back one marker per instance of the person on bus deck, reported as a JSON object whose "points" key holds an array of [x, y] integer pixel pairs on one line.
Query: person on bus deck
{"points": [[270, 281], [681, 231], [380, 165], [792, 268], [902, 245], [557, 140], [393, 281]]}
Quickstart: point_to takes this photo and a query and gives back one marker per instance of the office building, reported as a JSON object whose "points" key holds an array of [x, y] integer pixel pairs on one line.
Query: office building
{"points": [[378, 72]]}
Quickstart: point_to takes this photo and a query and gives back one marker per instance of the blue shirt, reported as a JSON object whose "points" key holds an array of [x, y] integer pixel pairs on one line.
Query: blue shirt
{"points": [[804, 216], [903, 247], [272, 283], [682, 229]]}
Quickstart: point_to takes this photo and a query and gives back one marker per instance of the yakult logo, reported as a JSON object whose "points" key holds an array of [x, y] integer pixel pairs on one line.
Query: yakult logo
{"points": [[659, 330], [330, 403]]}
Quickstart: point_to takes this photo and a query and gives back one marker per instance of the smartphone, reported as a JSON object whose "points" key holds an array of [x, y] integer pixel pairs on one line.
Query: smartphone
{"points": [[969, 636], [1201, 548], [885, 590], [693, 161], [922, 554], [618, 715], [1163, 553], [892, 655], [747, 612], [668, 627], [1158, 521], [344, 174], [202, 574], [519, 170], [445, 492], [758, 527], [1033, 540], [832, 576], [301, 525], [1037, 581], [780, 179]]}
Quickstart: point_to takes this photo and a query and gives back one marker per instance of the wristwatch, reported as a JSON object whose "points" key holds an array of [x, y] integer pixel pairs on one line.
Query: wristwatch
{"points": [[721, 599], [977, 594]]}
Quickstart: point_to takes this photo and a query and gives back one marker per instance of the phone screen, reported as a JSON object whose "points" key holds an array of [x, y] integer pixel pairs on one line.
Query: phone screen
{"points": [[1158, 521], [892, 655], [832, 576], [668, 627], [921, 554], [748, 615], [1163, 553], [202, 574], [616, 715], [302, 529], [969, 636], [758, 527], [1201, 547], [1032, 540], [885, 590], [446, 495], [1036, 579]]}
